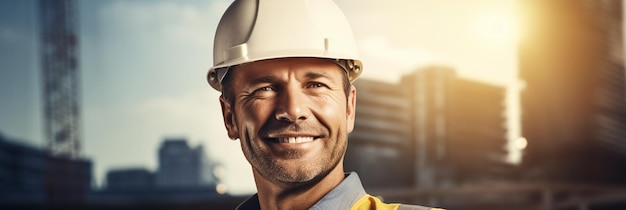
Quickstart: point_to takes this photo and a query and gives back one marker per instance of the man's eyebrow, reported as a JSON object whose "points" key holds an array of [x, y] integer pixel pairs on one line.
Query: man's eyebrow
{"points": [[264, 79], [274, 79], [316, 75]]}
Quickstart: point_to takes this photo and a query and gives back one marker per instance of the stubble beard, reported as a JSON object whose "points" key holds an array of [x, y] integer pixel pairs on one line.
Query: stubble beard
{"points": [[285, 174]]}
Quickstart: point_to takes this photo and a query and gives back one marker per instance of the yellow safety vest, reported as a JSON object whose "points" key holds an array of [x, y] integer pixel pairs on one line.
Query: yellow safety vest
{"points": [[369, 202]]}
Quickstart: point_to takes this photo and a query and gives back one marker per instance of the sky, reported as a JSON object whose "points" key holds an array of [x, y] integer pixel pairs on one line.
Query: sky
{"points": [[143, 65]]}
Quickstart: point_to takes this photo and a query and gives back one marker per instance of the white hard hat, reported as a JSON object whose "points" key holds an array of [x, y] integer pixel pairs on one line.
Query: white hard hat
{"points": [[253, 30]]}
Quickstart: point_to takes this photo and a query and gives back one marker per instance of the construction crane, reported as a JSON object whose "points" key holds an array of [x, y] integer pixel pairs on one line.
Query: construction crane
{"points": [[67, 177], [60, 77]]}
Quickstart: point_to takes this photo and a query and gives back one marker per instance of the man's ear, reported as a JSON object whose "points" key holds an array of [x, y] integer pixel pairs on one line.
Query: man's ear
{"points": [[229, 119], [351, 108]]}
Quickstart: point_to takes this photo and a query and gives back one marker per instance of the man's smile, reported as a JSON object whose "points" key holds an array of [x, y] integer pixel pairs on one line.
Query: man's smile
{"points": [[299, 139], [293, 141], [293, 134]]}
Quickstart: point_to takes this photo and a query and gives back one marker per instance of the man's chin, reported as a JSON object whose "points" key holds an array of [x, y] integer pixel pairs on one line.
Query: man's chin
{"points": [[297, 177]]}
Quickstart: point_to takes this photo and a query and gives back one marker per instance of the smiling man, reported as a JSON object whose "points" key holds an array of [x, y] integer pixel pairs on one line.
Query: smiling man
{"points": [[285, 69]]}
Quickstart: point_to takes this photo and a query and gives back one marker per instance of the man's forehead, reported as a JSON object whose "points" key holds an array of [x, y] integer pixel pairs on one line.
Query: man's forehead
{"points": [[307, 67]]}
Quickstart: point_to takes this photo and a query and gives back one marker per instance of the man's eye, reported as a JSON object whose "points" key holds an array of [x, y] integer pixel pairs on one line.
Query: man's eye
{"points": [[263, 92], [316, 85], [268, 88]]}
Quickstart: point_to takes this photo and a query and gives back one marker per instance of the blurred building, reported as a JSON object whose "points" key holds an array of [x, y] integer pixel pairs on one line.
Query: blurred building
{"points": [[131, 179], [180, 168], [183, 166], [22, 170], [185, 179], [379, 147], [458, 127], [431, 129], [477, 141], [574, 103], [27, 173]]}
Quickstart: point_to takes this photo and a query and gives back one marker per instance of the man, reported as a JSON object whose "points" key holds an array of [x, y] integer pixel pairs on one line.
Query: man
{"points": [[285, 68]]}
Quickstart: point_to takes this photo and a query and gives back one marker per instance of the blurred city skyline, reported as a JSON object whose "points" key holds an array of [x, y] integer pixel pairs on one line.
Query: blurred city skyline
{"points": [[143, 63]]}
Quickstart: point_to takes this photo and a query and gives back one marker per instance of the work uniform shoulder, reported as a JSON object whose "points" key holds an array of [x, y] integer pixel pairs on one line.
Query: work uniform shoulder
{"points": [[414, 207], [369, 202]]}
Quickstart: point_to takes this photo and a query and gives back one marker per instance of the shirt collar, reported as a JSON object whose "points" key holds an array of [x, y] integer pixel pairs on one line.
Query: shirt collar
{"points": [[343, 196]]}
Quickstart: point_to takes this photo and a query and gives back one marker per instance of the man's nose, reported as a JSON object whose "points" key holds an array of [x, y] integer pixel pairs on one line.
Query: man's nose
{"points": [[291, 105]]}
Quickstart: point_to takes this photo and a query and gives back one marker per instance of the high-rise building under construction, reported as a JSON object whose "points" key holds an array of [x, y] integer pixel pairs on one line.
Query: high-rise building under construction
{"points": [[571, 59], [433, 128]]}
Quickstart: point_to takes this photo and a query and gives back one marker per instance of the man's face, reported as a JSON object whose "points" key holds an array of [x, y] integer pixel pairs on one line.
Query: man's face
{"points": [[292, 117]]}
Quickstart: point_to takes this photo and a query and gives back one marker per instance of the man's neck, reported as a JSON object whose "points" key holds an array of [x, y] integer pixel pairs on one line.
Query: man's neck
{"points": [[272, 196]]}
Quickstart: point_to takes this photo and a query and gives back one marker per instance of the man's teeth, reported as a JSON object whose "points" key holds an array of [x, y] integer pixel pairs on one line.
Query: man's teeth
{"points": [[295, 139]]}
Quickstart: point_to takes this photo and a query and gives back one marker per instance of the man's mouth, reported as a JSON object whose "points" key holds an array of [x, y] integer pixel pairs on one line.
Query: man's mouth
{"points": [[293, 140]]}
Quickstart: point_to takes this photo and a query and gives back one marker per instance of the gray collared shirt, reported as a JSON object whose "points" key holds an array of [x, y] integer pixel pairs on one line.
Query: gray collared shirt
{"points": [[343, 196]]}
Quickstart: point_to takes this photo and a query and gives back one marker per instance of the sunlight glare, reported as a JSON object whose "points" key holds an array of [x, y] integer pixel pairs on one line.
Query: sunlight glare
{"points": [[522, 143], [497, 28]]}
